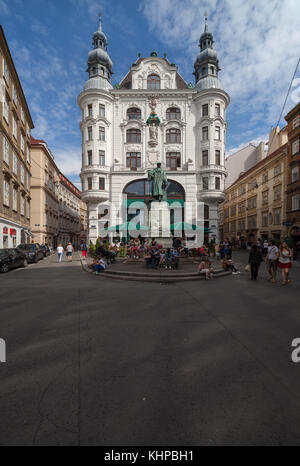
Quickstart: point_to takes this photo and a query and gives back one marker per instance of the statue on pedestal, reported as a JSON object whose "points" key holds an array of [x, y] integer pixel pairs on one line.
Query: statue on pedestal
{"points": [[153, 122], [159, 183]]}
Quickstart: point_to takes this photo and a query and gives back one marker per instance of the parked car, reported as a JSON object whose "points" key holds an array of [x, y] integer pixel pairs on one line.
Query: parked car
{"points": [[33, 251], [46, 250], [12, 258]]}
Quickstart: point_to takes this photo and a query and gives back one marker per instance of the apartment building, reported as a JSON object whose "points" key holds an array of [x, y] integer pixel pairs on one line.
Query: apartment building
{"points": [[69, 212], [293, 187], [15, 158], [44, 191], [255, 204]]}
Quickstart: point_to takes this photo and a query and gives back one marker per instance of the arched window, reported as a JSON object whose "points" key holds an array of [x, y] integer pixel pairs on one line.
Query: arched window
{"points": [[133, 135], [173, 135], [153, 81], [173, 113], [134, 113]]}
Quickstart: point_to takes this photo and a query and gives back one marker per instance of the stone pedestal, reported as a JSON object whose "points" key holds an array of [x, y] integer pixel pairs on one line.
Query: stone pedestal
{"points": [[159, 220]]}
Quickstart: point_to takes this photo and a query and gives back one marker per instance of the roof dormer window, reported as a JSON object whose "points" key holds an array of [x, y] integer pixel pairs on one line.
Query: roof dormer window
{"points": [[153, 81]]}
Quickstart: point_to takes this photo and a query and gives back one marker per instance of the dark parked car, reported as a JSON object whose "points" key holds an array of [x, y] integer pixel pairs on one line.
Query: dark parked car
{"points": [[46, 250], [12, 258], [33, 251]]}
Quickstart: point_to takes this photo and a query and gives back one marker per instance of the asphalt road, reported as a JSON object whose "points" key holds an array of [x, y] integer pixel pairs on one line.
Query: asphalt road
{"points": [[94, 361]]}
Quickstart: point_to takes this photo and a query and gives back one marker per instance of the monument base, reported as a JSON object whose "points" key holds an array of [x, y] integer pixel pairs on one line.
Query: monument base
{"points": [[159, 220]]}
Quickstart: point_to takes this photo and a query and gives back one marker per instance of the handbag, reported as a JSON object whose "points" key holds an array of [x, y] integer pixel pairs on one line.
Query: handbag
{"points": [[247, 268]]}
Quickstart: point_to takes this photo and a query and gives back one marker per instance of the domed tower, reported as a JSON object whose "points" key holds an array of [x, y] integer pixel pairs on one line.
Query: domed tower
{"points": [[96, 105], [211, 102]]}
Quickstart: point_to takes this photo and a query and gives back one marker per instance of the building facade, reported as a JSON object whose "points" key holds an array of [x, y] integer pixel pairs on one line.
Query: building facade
{"points": [[242, 160], [44, 192], [293, 187], [83, 221], [118, 149], [69, 212], [255, 204], [15, 159]]}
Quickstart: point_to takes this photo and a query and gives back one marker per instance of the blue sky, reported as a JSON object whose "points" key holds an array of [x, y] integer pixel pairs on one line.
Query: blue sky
{"points": [[257, 42]]}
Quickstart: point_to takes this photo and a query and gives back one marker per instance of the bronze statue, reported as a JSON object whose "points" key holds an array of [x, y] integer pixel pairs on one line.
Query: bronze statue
{"points": [[159, 183]]}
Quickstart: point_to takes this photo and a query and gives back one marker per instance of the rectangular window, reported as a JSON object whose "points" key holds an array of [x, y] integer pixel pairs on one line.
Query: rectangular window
{"points": [[5, 109], [15, 128], [28, 130], [102, 110], [277, 170], [242, 189], [5, 71], [217, 183], [90, 157], [252, 221], [264, 219], [265, 197], [28, 154], [217, 110], [90, 133], [173, 160], [233, 211], [242, 208], [6, 193], [15, 96], [218, 133], [101, 184], [241, 225], [133, 160], [102, 158], [277, 216], [295, 202], [102, 133], [277, 193], [28, 209], [205, 110], [218, 157], [252, 185], [15, 164], [205, 133], [22, 206], [205, 183], [252, 203], [90, 110], [232, 227], [15, 200], [22, 115], [295, 147], [265, 177], [205, 157], [296, 122], [6, 150], [295, 174], [22, 175], [22, 143], [90, 183]]}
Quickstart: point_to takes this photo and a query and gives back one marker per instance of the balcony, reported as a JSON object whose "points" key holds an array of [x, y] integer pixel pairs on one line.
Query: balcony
{"points": [[95, 168], [214, 168], [211, 195], [95, 195]]}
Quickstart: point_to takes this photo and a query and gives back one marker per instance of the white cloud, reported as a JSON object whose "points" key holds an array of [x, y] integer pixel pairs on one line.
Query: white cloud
{"points": [[39, 28], [68, 160], [4, 10], [263, 138], [257, 43]]}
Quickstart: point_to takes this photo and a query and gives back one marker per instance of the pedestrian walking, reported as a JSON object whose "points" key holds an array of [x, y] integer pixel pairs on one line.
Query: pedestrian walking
{"points": [[271, 260], [265, 247], [284, 261], [84, 249], [255, 259], [70, 251], [60, 251]]}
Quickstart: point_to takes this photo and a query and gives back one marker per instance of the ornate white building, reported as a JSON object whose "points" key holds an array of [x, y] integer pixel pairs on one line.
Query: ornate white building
{"points": [[116, 147]]}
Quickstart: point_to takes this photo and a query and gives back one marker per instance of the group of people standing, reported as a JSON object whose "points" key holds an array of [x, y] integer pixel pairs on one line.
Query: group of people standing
{"points": [[275, 257]]}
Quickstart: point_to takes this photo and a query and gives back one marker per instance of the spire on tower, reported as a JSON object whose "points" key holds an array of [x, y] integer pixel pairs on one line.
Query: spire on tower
{"points": [[100, 26], [205, 19]]}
